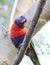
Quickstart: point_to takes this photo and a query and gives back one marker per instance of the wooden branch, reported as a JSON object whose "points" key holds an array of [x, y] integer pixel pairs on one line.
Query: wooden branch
{"points": [[13, 13], [36, 15]]}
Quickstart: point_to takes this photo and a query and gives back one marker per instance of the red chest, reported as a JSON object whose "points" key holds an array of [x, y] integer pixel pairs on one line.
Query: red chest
{"points": [[16, 31]]}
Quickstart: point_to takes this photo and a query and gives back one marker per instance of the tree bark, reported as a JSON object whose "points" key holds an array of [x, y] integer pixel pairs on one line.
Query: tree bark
{"points": [[39, 6]]}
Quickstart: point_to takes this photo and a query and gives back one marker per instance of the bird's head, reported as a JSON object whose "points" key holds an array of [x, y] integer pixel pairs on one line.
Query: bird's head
{"points": [[20, 21]]}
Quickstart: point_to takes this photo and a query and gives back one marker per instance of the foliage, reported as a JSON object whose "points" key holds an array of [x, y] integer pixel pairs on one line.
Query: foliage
{"points": [[3, 1]]}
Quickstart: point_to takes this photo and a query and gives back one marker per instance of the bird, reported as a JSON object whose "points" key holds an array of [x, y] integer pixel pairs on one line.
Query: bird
{"points": [[18, 31]]}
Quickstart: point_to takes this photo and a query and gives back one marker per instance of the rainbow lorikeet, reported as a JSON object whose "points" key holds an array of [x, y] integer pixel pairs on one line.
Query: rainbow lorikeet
{"points": [[18, 31]]}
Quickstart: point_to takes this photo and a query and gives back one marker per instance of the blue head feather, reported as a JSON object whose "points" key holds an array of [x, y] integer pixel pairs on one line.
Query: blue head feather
{"points": [[18, 21]]}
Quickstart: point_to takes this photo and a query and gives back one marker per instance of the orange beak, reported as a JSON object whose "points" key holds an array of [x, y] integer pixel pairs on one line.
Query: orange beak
{"points": [[23, 20]]}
